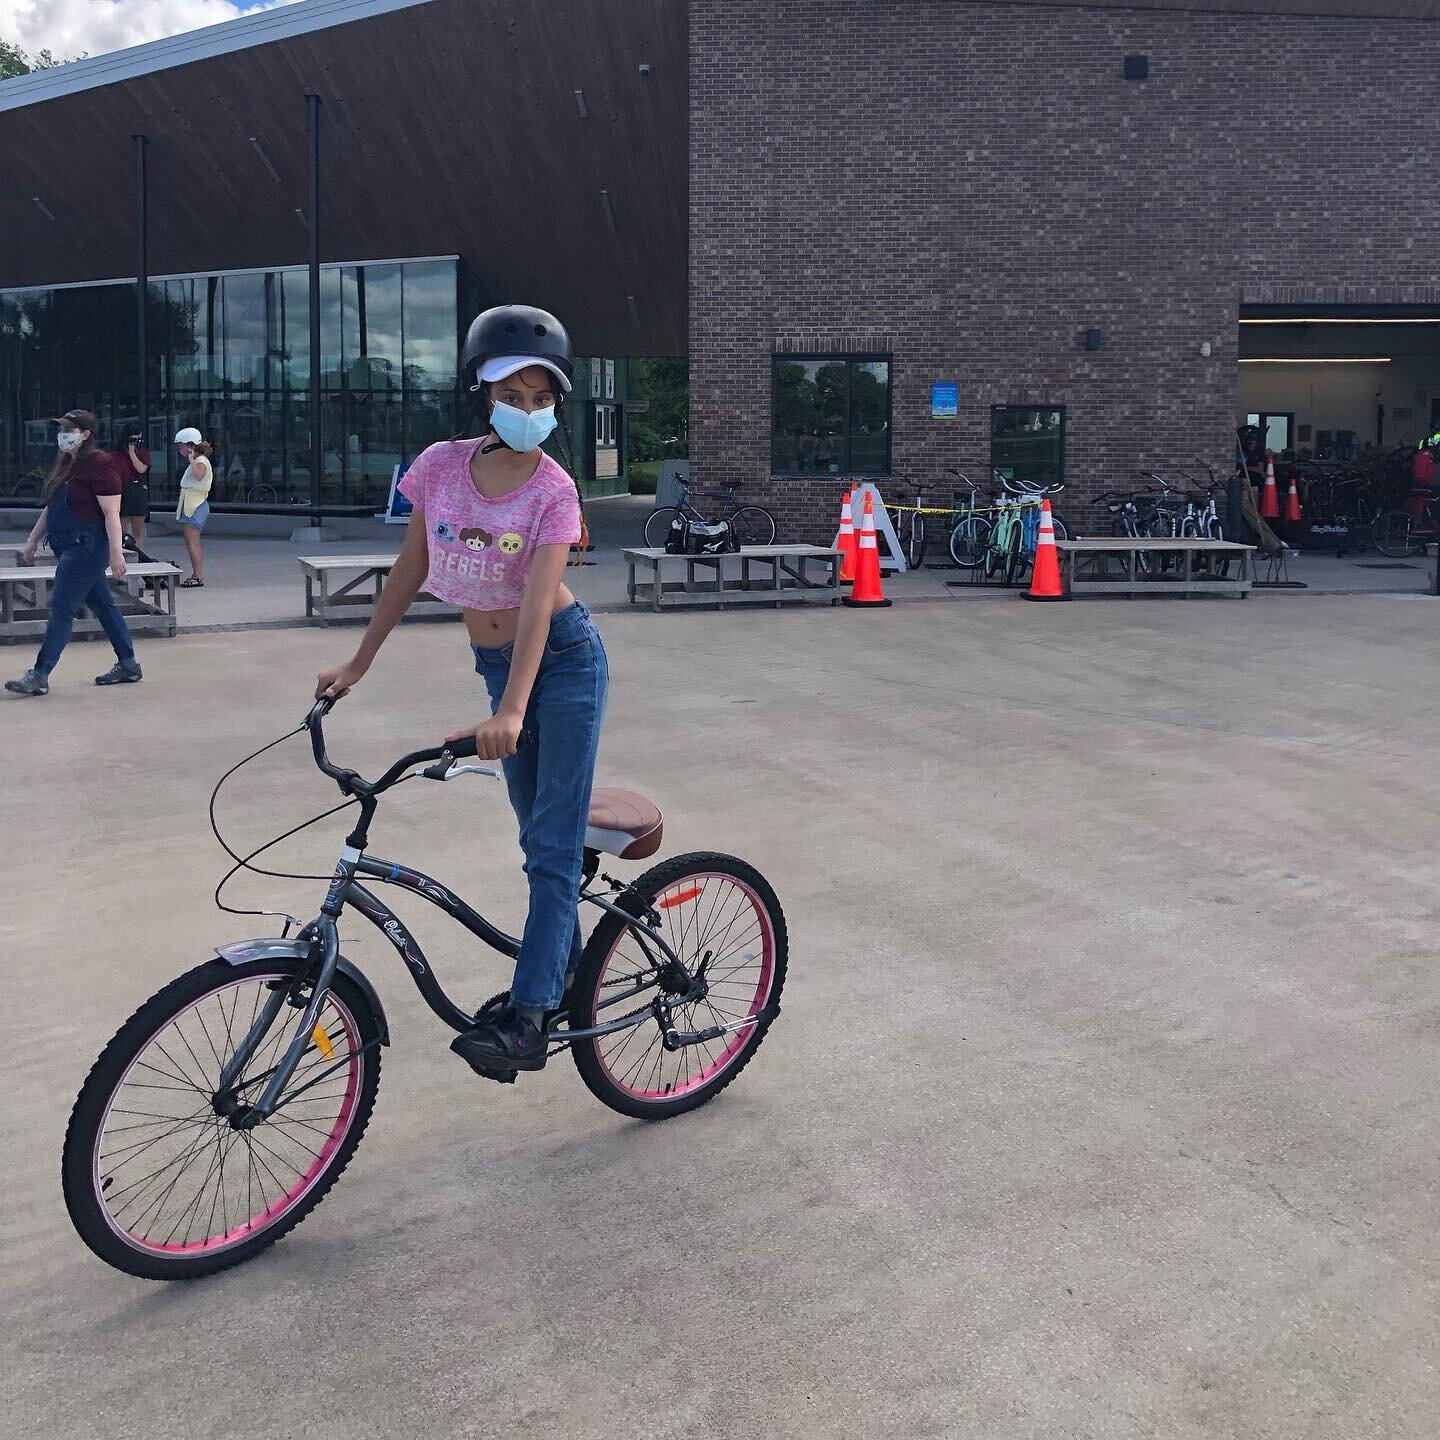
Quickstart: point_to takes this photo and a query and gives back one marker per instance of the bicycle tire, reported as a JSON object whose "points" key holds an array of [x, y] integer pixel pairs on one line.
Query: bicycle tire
{"points": [[751, 525], [969, 541], [657, 526], [81, 1159], [1394, 534], [915, 542], [670, 887], [1016, 557]]}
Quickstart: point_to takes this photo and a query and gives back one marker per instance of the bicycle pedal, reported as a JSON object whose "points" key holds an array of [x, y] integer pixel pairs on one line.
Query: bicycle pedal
{"points": [[504, 1077]]}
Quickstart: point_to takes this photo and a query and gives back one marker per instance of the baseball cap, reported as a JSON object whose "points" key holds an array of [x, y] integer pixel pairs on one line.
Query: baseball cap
{"points": [[504, 366], [80, 419]]}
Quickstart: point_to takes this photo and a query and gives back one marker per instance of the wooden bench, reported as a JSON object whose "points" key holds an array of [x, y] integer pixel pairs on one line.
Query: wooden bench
{"points": [[731, 579], [355, 598], [1086, 566], [25, 600]]}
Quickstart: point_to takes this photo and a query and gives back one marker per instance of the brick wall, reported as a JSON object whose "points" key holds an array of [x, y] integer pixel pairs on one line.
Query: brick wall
{"points": [[976, 184]]}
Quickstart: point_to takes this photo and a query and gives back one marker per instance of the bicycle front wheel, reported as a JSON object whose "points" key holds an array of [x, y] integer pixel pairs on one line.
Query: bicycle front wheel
{"points": [[157, 1181], [915, 542], [657, 526], [751, 525], [1397, 535], [969, 540], [724, 923]]}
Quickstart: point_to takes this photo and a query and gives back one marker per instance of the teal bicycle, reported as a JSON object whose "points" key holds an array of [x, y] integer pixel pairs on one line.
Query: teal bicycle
{"points": [[1010, 547]]}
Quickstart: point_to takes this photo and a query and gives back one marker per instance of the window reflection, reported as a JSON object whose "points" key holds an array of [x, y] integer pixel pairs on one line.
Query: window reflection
{"points": [[230, 354]]}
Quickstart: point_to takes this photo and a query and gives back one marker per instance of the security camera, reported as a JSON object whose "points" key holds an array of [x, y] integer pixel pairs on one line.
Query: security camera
{"points": [[644, 69]]}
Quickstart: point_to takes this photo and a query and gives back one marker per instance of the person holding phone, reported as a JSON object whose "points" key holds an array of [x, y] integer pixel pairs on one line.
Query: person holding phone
{"points": [[192, 509], [81, 517], [132, 460]]}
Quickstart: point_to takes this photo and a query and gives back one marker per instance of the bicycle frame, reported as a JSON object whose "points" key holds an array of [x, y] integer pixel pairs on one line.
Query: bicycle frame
{"points": [[318, 943]]}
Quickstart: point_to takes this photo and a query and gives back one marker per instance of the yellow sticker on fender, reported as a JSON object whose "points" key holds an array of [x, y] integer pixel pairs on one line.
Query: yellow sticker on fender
{"points": [[322, 1042]]}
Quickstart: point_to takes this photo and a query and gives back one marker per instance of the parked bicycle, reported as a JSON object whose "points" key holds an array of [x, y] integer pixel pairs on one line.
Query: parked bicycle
{"points": [[1409, 528], [744, 525], [227, 1106], [1015, 532]]}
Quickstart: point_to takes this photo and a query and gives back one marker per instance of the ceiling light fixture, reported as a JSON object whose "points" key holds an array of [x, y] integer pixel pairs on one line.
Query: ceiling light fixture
{"points": [[1315, 359], [265, 160], [1345, 320]]}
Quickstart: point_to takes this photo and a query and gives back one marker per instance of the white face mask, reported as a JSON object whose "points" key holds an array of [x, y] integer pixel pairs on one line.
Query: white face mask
{"points": [[69, 440]]}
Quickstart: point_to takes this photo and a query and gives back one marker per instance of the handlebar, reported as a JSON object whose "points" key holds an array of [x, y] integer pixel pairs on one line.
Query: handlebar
{"points": [[353, 784]]}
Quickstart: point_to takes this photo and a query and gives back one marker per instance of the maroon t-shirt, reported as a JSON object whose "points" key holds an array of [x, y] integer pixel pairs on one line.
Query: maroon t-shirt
{"points": [[95, 475], [124, 465]]}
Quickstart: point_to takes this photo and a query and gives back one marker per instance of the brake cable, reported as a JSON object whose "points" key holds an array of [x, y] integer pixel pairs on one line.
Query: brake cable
{"points": [[243, 862]]}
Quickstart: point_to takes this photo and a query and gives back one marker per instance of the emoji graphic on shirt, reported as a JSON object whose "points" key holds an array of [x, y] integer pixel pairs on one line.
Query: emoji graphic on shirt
{"points": [[511, 543], [476, 539]]}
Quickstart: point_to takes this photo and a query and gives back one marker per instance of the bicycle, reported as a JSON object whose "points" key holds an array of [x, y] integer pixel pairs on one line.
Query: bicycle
{"points": [[1015, 533], [748, 524], [226, 1107], [970, 535], [1405, 531]]}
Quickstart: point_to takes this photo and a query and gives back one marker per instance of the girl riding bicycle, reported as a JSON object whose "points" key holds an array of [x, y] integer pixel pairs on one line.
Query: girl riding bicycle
{"points": [[493, 522]]}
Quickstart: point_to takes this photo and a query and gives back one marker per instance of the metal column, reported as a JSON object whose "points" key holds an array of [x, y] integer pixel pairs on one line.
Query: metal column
{"points": [[142, 285], [312, 216]]}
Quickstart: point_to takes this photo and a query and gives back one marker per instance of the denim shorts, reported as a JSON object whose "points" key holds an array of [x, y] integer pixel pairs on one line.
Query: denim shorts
{"points": [[198, 519]]}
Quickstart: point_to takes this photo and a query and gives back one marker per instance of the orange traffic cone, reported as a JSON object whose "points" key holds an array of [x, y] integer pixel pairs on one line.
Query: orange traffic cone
{"points": [[1269, 497], [1292, 499], [1045, 582], [867, 589], [845, 541]]}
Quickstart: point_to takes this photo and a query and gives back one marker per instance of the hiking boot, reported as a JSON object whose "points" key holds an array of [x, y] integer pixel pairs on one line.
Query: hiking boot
{"points": [[122, 672], [32, 682]]}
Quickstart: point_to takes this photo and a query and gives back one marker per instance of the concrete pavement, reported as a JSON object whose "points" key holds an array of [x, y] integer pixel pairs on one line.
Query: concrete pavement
{"points": [[1102, 1103]]}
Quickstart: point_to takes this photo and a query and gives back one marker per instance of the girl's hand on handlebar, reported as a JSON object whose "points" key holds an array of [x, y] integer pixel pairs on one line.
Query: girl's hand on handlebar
{"points": [[337, 682], [497, 738]]}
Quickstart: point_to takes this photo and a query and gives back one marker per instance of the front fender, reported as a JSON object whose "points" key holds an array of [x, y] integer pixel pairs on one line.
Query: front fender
{"points": [[242, 952]]}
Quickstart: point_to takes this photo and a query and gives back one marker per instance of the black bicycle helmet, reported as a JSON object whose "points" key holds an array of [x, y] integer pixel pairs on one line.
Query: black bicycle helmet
{"points": [[516, 332]]}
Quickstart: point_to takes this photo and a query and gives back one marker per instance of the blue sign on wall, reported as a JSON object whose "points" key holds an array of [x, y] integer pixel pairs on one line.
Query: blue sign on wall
{"points": [[397, 511], [944, 400]]}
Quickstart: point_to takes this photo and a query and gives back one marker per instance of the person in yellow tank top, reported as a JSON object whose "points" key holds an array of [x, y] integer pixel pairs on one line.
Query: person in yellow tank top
{"points": [[192, 510]]}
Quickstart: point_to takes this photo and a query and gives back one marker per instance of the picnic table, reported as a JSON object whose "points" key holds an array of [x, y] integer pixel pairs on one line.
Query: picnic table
{"points": [[1112, 565], [355, 598], [25, 600], [730, 579]]}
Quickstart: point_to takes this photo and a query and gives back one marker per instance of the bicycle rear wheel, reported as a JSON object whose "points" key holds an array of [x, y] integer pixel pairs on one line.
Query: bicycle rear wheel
{"points": [[752, 525], [657, 526], [157, 1181], [715, 912]]}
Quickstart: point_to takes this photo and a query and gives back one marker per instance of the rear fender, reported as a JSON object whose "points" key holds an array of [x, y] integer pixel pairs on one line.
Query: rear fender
{"points": [[242, 952]]}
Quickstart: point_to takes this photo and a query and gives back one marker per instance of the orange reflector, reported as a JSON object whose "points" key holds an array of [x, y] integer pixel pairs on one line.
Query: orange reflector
{"points": [[671, 901], [322, 1042]]}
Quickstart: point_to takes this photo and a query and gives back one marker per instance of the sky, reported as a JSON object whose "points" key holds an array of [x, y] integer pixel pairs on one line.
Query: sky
{"points": [[93, 27]]}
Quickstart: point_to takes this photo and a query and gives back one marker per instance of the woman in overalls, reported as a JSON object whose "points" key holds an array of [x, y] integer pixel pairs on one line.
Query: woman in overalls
{"points": [[81, 517]]}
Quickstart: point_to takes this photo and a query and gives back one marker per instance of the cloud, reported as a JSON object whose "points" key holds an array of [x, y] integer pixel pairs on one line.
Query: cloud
{"points": [[94, 27]]}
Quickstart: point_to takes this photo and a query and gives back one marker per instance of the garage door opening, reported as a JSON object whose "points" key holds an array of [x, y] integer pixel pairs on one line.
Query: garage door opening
{"points": [[1343, 398]]}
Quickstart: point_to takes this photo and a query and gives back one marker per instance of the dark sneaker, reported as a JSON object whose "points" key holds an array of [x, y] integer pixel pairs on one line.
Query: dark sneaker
{"points": [[501, 1045], [121, 673], [32, 682]]}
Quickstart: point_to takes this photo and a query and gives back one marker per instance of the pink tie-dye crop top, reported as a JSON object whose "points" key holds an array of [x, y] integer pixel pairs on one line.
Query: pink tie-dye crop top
{"points": [[480, 550]]}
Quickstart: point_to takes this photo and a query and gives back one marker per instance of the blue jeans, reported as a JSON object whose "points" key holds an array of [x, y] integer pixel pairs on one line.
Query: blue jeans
{"points": [[549, 780], [81, 551]]}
